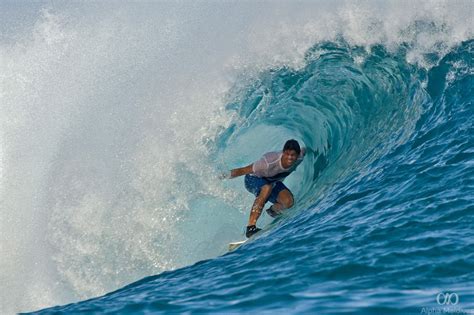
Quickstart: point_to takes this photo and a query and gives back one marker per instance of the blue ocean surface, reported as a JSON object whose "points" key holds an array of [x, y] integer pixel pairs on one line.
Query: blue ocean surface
{"points": [[129, 204]]}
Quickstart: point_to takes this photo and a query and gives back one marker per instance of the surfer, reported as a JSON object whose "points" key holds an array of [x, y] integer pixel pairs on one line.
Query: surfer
{"points": [[264, 178]]}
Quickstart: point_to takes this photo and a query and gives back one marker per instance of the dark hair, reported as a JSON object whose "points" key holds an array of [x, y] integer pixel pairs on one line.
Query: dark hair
{"points": [[292, 145]]}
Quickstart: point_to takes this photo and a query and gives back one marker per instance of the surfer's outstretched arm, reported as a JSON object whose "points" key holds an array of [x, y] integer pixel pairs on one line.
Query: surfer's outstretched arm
{"points": [[236, 172]]}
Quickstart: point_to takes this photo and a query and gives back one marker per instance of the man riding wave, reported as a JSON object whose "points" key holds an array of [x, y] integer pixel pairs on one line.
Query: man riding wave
{"points": [[264, 178]]}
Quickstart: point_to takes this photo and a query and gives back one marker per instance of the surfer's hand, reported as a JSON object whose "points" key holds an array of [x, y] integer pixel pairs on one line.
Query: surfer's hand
{"points": [[225, 175]]}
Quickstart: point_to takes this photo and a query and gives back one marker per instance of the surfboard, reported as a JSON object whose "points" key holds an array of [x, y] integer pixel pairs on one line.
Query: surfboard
{"points": [[235, 245]]}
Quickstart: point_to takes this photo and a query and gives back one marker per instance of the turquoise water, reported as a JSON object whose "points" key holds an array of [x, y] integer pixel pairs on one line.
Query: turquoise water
{"points": [[384, 214], [385, 211]]}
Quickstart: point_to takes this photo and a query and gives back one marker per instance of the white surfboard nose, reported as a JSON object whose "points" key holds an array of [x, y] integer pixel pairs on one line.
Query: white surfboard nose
{"points": [[234, 245]]}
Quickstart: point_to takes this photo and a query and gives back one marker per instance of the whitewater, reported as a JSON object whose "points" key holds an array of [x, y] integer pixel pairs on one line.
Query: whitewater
{"points": [[117, 119]]}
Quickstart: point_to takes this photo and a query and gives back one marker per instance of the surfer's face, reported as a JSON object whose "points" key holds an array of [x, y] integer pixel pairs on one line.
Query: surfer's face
{"points": [[289, 158]]}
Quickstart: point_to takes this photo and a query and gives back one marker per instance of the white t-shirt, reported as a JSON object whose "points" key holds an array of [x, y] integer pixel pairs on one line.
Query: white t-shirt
{"points": [[269, 166]]}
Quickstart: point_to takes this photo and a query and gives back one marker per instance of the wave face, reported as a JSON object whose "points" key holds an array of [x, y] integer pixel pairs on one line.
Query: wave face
{"points": [[117, 123]]}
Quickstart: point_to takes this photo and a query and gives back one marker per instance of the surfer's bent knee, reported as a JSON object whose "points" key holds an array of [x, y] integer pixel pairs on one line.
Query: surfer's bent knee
{"points": [[291, 202]]}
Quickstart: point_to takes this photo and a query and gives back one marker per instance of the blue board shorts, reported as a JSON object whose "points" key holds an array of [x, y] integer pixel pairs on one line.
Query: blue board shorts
{"points": [[254, 184]]}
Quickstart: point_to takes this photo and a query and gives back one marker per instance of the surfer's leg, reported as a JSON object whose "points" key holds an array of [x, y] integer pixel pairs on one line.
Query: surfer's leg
{"points": [[258, 204], [285, 200], [282, 199]]}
